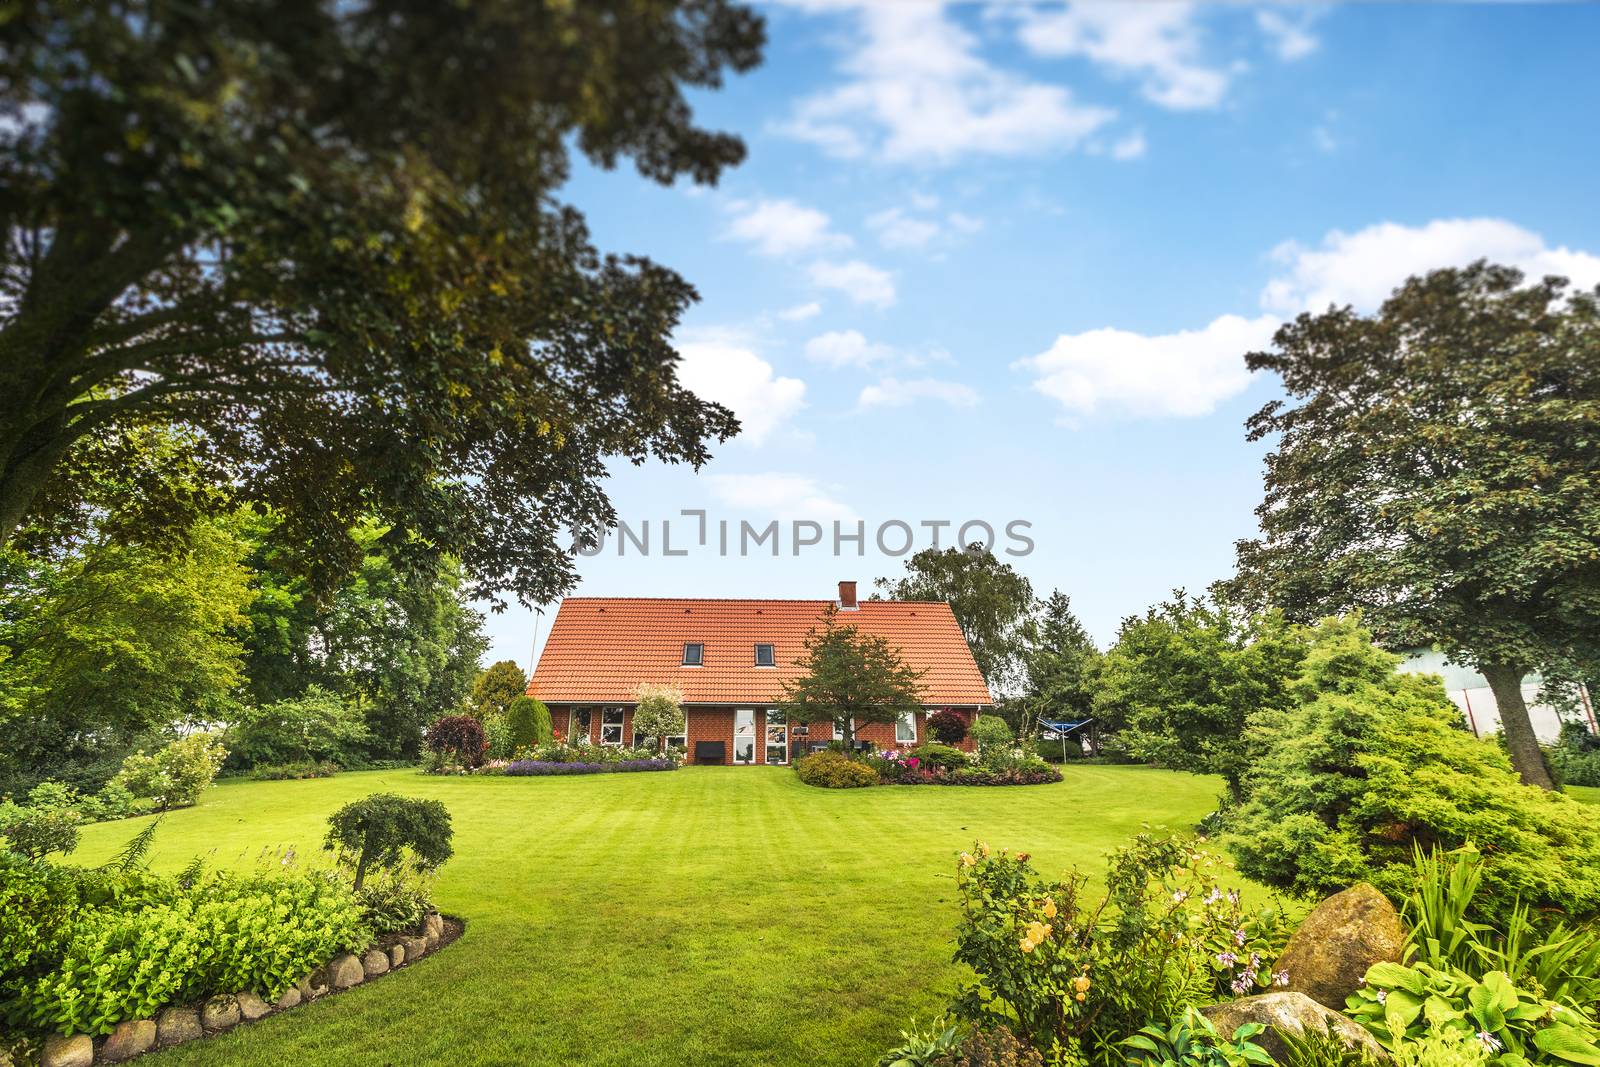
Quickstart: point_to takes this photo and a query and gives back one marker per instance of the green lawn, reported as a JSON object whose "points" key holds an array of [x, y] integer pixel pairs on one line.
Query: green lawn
{"points": [[704, 916]]}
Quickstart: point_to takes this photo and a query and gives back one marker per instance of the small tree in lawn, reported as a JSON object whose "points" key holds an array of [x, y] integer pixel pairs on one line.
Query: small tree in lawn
{"points": [[850, 677], [377, 833], [658, 712]]}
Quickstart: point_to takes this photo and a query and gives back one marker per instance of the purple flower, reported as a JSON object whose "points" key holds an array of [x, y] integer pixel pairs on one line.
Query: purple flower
{"points": [[1490, 1042], [1239, 936], [1233, 896], [1227, 959], [1281, 978]]}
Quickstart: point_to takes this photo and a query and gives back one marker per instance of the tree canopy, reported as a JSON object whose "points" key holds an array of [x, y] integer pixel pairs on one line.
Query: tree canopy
{"points": [[338, 259], [850, 677], [989, 598], [1060, 662], [496, 687], [1436, 467]]}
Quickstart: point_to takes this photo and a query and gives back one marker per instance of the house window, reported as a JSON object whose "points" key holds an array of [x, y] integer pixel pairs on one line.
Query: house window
{"points": [[674, 741], [905, 729], [764, 656], [777, 738], [611, 726], [694, 654], [578, 725]]}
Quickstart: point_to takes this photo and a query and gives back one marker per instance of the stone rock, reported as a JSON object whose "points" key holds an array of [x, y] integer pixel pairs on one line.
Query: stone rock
{"points": [[63, 1051], [344, 971], [374, 962], [432, 929], [290, 999], [416, 948], [1342, 937], [177, 1025], [1293, 1012], [219, 1013], [397, 955], [128, 1040], [314, 984], [251, 1006]]}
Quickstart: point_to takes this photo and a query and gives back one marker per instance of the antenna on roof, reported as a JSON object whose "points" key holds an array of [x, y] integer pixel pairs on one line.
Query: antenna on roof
{"points": [[533, 649]]}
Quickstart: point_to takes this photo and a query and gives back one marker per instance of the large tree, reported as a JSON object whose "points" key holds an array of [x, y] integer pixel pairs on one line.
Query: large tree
{"points": [[990, 600], [1436, 467], [496, 687], [1059, 660], [1187, 684], [850, 678], [325, 236]]}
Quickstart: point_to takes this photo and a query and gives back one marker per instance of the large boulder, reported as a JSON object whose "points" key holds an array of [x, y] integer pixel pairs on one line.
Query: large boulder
{"points": [[344, 971], [375, 961], [219, 1013], [290, 999], [251, 1006], [63, 1051], [131, 1038], [1342, 937], [177, 1025], [1294, 1013]]}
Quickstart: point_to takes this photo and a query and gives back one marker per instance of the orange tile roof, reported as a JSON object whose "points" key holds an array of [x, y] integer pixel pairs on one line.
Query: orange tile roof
{"points": [[600, 648]]}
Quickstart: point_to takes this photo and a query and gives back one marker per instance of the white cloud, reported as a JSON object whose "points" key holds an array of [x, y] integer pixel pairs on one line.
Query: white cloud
{"points": [[801, 312], [778, 495], [896, 229], [916, 90], [861, 282], [782, 227], [1364, 267], [1130, 147], [846, 348], [897, 392], [1289, 33], [1159, 43], [737, 378], [1184, 373], [965, 223]]}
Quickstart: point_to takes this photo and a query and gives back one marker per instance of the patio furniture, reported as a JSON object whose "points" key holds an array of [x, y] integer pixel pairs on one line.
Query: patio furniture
{"points": [[710, 752]]}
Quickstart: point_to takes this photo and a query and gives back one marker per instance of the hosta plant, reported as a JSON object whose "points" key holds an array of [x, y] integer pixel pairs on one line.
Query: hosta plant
{"points": [[1192, 1041]]}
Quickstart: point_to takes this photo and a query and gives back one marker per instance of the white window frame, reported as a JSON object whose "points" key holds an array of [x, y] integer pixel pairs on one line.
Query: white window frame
{"points": [[755, 750], [908, 721], [775, 723], [622, 718]]}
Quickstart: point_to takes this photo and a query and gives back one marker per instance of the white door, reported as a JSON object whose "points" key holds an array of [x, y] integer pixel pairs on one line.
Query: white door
{"points": [[777, 738], [744, 736]]}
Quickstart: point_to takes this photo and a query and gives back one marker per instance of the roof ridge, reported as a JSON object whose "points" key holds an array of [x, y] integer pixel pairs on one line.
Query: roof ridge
{"points": [[752, 600]]}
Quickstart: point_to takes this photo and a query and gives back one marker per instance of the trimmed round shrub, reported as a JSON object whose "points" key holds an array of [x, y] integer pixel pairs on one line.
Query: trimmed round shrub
{"points": [[942, 756], [948, 726], [457, 737], [529, 721], [37, 832], [834, 770]]}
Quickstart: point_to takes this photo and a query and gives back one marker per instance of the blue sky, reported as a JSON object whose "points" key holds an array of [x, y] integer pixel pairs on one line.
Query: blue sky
{"points": [[1001, 262]]}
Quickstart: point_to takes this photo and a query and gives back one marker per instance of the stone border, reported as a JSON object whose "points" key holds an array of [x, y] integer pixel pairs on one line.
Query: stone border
{"points": [[218, 1014]]}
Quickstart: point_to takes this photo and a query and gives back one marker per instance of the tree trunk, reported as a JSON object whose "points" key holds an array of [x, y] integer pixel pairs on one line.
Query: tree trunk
{"points": [[1505, 681]]}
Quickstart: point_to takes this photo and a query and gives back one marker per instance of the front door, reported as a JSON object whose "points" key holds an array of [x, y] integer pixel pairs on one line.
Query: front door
{"points": [[777, 738], [744, 736]]}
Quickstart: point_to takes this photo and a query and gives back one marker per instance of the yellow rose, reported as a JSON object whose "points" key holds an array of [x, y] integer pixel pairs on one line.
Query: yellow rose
{"points": [[1027, 946], [1081, 984], [1080, 997], [1049, 908], [967, 860]]}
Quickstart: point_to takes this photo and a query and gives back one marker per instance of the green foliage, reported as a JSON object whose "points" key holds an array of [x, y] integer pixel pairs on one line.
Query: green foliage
{"points": [[990, 600], [529, 722], [106, 641], [1075, 977], [993, 1047], [1373, 764], [396, 898], [499, 742], [994, 741], [850, 677], [496, 687], [342, 351], [316, 726], [1575, 757], [384, 831], [1192, 1041], [948, 726], [1183, 684], [923, 1048], [834, 770], [122, 946], [942, 756], [1061, 664], [657, 714], [1446, 1049], [177, 773], [1320, 1047], [284, 772], [37, 832], [1435, 469]]}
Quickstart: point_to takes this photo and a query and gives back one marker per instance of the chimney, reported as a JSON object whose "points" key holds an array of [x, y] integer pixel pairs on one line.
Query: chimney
{"points": [[847, 596]]}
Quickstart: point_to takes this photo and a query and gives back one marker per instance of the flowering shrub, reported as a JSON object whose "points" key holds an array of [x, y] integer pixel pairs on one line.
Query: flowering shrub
{"points": [[945, 757], [1074, 977], [175, 775], [1030, 772], [532, 768], [585, 752]]}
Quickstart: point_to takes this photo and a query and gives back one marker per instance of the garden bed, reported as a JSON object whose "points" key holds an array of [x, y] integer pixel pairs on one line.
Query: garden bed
{"points": [[182, 1023], [532, 768]]}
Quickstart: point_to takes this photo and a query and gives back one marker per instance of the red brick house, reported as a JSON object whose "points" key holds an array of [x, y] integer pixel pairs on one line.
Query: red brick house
{"points": [[730, 657]]}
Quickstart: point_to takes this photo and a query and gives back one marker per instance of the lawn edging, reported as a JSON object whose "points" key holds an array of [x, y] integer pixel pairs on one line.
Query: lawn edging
{"points": [[182, 1023]]}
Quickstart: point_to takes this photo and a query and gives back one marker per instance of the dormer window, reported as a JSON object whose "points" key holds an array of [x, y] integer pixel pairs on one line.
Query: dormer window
{"points": [[764, 656], [694, 654]]}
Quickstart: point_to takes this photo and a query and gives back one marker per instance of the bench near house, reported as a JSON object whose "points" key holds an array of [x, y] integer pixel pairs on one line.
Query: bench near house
{"points": [[730, 658]]}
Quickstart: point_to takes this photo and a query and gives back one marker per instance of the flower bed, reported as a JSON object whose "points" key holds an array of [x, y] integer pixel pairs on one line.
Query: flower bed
{"points": [[929, 765], [533, 768]]}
